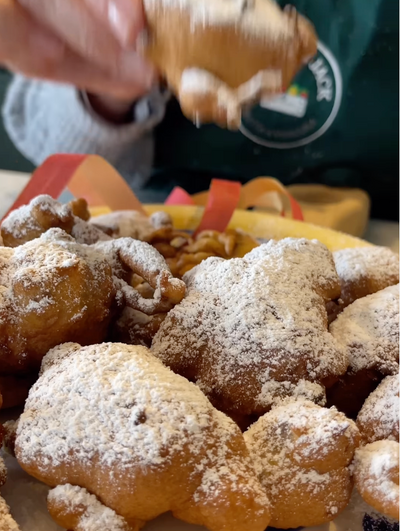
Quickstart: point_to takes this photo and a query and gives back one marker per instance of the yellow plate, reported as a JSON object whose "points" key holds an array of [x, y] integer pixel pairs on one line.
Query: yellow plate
{"points": [[258, 224]]}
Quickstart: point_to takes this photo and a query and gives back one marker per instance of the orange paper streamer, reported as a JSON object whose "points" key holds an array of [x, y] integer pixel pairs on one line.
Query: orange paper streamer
{"points": [[223, 199], [91, 177], [87, 176]]}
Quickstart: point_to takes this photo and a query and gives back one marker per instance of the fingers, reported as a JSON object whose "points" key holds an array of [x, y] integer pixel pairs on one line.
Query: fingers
{"points": [[125, 18], [29, 48], [87, 33], [77, 71]]}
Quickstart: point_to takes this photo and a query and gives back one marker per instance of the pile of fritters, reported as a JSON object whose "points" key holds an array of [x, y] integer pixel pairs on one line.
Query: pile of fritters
{"points": [[56, 288], [280, 341]]}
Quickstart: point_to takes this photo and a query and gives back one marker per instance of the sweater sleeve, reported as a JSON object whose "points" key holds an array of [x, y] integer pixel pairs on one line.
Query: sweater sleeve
{"points": [[44, 118]]}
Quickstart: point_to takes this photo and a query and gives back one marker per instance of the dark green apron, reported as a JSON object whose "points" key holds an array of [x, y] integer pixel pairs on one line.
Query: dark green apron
{"points": [[337, 124]]}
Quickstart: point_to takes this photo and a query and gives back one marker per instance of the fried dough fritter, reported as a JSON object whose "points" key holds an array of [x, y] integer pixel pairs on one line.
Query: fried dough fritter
{"points": [[112, 419], [254, 329]]}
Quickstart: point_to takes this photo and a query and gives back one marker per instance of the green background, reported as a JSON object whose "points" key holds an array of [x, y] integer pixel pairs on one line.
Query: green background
{"points": [[10, 157]]}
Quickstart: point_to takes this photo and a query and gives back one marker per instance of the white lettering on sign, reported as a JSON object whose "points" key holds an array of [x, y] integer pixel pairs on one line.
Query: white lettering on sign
{"points": [[324, 80]]}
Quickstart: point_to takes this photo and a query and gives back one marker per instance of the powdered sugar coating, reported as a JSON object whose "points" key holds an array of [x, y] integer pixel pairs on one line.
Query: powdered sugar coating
{"points": [[20, 221], [129, 223], [301, 452], [272, 391], [144, 255], [100, 393], [54, 284], [55, 250], [376, 472], [161, 220], [379, 416], [127, 254], [380, 264], [363, 271], [69, 252], [51, 289], [369, 331], [42, 213], [94, 515], [195, 81], [7, 522], [247, 322], [84, 232], [115, 408], [310, 434]]}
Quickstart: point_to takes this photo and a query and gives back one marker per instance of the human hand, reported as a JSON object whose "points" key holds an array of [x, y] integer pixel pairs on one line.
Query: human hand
{"points": [[87, 43]]}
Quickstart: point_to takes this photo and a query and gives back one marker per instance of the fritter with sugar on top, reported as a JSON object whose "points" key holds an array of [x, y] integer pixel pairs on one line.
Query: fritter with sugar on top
{"points": [[255, 329], [376, 475], [132, 224], [379, 416], [368, 329], [43, 213], [54, 290], [122, 437], [362, 271], [302, 454]]}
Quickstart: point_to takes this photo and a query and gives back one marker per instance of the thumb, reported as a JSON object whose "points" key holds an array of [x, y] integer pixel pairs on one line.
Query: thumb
{"points": [[31, 49], [125, 18]]}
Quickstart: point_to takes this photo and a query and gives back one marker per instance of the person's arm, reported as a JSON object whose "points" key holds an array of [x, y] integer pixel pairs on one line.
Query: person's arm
{"points": [[45, 118]]}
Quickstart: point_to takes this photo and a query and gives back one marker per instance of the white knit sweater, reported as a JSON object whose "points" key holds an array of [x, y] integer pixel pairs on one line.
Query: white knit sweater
{"points": [[44, 118]]}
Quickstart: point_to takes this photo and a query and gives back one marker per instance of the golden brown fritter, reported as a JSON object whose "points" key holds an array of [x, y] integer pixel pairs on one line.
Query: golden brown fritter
{"points": [[254, 329], [112, 419], [302, 454], [54, 290], [362, 271], [368, 329], [43, 213]]}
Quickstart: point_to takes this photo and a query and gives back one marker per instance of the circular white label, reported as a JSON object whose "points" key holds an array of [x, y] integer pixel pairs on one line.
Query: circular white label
{"points": [[305, 112]]}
